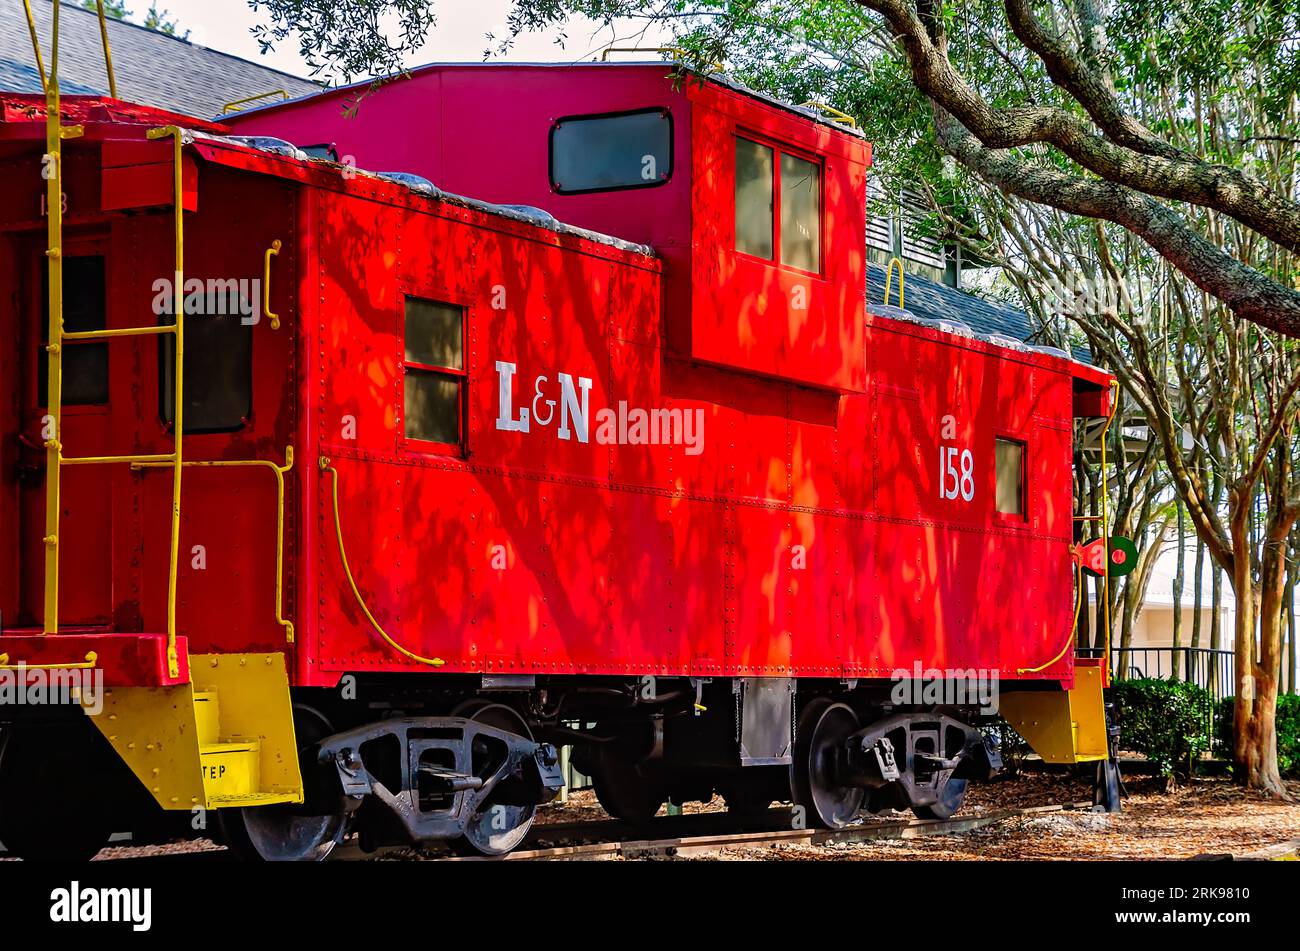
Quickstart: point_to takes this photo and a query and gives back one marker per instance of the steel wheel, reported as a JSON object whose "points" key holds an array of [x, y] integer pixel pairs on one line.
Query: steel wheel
{"points": [[47, 812], [625, 791], [282, 833], [823, 726], [496, 828], [951, 794]]}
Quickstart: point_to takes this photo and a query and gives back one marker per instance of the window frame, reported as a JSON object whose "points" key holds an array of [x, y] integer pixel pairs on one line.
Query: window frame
{"points": [[779, 149], [1021, 517], [663, 179], [413, 444]]}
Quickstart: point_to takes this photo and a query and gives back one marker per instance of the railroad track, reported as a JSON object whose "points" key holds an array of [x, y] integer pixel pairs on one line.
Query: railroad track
{"points": [[668, 836], [703, 833]]}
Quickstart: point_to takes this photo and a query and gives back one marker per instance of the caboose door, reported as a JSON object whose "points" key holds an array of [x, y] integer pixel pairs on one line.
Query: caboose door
{"points": [[86, 521]]}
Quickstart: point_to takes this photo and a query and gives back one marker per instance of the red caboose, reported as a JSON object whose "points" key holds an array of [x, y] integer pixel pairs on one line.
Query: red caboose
{"points": [[451, 483]]}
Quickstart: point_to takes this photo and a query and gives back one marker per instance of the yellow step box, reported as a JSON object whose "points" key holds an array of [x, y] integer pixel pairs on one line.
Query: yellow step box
{"points": [[225, 739], [230, 770]]}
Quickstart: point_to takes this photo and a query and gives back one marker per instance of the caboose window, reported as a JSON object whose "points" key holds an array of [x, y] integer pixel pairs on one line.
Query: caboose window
{"points": [[778, 205], [801, 217], [434, 369], [218, 366], [85, 364], [754, 167], [612, 151], [1009, 459]]}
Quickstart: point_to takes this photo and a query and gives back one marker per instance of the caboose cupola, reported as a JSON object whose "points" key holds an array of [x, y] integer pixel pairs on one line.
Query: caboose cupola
{"points": [[756, 207]]}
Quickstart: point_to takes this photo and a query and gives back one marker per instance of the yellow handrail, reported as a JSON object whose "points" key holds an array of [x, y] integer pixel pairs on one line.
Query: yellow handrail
{"points": [[676, 52], [325, 466], [889, 280], [36, 45], [233, 105], [280, 472], [55, 133], [178, 391], [836, 115], [91, 659], [54, 391], [108, 54], [272, 251], [1105, 575]]}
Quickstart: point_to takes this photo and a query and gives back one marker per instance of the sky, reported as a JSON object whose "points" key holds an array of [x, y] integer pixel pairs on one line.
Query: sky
{"points": [[458, 36]]}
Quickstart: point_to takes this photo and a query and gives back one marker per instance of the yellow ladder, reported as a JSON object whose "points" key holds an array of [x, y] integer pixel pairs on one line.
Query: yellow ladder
{"points": [[55, 133]]}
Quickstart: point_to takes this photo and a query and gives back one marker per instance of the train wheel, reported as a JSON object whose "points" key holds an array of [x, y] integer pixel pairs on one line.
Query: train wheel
{"points": [[47, 811], [951, 794], [626, 791], [495, 828], [281, 833], [823, 726]]}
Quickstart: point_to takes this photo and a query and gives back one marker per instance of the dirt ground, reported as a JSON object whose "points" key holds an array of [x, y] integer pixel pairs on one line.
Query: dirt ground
{"points": [[1209, 817]]}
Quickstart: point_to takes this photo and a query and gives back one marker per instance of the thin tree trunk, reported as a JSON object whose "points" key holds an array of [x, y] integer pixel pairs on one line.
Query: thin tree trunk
{"points": [[1289, 629], [1178, 595], [1198, 595], [1216, 623]]}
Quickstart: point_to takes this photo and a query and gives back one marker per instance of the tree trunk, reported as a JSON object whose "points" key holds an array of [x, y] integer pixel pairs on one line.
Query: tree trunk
{"points": [[1198, 596], [1261, 739], [1179, 575], [1289, 606], [1254, 751], [1216, 623]]}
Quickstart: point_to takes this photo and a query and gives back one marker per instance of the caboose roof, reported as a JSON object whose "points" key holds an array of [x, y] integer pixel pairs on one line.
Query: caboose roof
{"points": [[715, 78]]}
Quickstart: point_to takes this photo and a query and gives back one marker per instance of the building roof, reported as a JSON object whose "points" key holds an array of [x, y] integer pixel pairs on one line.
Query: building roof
{"points": [[934, 301], [151, 68]]}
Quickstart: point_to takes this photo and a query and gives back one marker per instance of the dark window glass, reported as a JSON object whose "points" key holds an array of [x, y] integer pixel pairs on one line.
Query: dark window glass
{"points": [[432, 407], [434, 369], [801, 215], [218, 368], [1010, 464], [433, 334], [85, 363], [604, 153], [754, 164]]}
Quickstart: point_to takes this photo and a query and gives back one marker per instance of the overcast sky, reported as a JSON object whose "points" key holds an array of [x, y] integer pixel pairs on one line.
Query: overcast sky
{"points": [[459, 35]]}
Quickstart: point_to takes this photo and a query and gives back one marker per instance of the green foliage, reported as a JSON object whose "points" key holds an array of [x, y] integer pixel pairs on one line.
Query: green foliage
{"points": [[1288, 732], [154, 19], [1165, 720], [112, 8]]}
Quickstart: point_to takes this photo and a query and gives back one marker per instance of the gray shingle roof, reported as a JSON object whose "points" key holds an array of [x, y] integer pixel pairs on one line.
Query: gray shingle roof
{"points": [[152, 68], [940, 302], [931, 301]]}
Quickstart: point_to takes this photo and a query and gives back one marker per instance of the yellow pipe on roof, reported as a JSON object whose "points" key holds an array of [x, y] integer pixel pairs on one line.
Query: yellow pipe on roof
{"points": [[108, 55]]}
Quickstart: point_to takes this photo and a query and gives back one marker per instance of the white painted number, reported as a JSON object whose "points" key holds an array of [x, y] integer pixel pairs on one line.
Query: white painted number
{"points": [[954, 483]]}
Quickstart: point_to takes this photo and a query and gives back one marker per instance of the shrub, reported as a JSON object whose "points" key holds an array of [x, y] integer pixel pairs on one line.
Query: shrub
{"points": [[1288, 732], [1167, 721]]}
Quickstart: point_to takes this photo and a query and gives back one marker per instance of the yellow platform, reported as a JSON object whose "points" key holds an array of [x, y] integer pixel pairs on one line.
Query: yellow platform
{"points": [[226, 739], [1062, 726]]}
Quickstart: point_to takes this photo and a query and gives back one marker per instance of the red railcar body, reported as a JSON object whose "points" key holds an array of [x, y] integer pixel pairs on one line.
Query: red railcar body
{"points": [[832, 513]]}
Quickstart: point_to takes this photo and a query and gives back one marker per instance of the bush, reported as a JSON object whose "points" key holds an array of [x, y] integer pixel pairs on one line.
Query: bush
{"points": [[1167, 721], [1288, 732]]}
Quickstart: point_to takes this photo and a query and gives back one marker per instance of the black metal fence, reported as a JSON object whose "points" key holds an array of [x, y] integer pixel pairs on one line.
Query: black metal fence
{"points": [[1203, 666]]}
